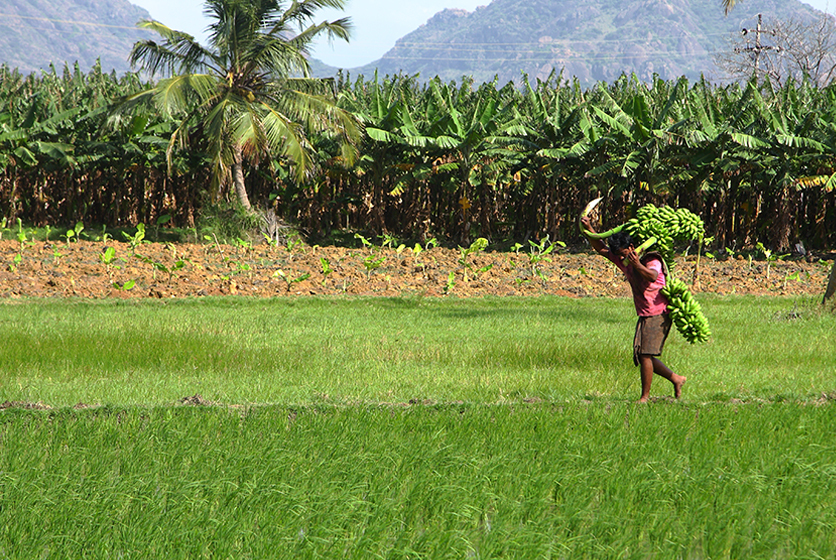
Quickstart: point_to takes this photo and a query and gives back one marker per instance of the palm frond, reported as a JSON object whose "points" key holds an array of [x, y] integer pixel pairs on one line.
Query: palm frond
{"points": [[337, 29], [178, 53], [301, 12], [287, 138], [728, 5]]}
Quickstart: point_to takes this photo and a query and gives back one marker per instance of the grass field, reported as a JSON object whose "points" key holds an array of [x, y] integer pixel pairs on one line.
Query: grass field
{"points": [[523, 441], [341, 351]]}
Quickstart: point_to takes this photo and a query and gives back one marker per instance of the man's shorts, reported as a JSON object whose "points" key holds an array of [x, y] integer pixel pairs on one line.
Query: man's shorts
{"points": [[651, 333]]}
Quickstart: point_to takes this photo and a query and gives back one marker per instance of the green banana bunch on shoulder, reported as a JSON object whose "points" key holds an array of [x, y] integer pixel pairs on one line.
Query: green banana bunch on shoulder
{"points": [[665, 226], [685, 311]]}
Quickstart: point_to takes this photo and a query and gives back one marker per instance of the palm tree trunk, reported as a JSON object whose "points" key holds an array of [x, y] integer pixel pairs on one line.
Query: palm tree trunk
{"points": [[238, 179]]}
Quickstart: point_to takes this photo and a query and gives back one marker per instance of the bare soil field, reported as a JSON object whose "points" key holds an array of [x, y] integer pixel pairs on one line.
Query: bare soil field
{"points": [[86, 269]]}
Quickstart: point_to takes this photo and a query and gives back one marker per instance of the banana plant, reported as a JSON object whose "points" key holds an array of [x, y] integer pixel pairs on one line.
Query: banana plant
{"points": [[394, 154], [641, 129], [33, 142], [477, 134]]}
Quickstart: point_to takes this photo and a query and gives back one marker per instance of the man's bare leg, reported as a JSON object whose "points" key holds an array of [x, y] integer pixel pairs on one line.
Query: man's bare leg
{"points": [[646, 371], [648, 365]]}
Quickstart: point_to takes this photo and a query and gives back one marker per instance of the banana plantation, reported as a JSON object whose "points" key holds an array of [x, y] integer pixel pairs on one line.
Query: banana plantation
{"points": [[455, 161]]}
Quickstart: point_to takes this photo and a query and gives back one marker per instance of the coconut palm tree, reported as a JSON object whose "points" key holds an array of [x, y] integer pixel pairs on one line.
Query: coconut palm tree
{"points": [[248, 93], [728, 5]]}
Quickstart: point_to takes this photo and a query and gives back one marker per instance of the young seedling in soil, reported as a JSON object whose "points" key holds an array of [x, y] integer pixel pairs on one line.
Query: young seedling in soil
{"points": [[416, 254], [451, 282], [326, 269], [477, 246], [178, 265], [24, 242], [290, 281], [213, 239], [16, 260], [105, 236], [244, 246], [366, 243], [107, 257], [270, 241], [372, 263], [770, 257], [238, 268], [126, 286], [158, 266], [21, 236], [136, 239], [292, 243], [794, 276], [75, 233], [538, 254], [388, 241]]}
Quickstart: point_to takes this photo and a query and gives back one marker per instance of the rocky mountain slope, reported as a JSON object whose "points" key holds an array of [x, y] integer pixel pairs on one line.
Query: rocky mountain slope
{"points": [[36, 33], [592, 40]]}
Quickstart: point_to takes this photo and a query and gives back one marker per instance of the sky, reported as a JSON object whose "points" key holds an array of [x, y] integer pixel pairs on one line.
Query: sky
{"points": [[377, 23]]}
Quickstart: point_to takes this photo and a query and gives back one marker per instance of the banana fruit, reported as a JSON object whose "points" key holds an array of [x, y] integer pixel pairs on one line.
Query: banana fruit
{"points": [[665, 227], [670, 227], [685, 312]]}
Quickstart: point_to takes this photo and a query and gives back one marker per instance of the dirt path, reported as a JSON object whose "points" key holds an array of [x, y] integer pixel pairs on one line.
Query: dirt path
{"points": [[89, 270]]}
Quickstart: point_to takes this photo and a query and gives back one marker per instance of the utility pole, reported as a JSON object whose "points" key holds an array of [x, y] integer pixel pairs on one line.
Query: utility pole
{"points": [[758, 48]]}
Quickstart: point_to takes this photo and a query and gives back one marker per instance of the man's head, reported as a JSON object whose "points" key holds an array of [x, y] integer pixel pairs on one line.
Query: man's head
{"points": [[619, 243]]}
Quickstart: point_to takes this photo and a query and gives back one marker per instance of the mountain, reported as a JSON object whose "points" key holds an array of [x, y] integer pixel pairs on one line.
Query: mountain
{"points": [[593, 40], [36, 33]]}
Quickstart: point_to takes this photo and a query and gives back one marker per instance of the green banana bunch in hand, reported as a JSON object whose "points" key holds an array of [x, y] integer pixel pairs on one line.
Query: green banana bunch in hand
{"points": [[685, 312]]}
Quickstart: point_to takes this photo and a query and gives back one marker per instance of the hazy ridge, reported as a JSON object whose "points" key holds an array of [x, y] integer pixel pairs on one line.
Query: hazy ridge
{"points": [[593, 40], [35, 33]]}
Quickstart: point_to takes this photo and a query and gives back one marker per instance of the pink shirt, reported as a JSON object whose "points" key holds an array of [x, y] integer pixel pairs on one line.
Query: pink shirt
{"points": [[647, 296]]}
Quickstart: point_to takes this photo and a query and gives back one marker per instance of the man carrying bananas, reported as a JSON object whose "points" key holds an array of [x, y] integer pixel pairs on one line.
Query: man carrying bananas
{"points": [[646, 276]]}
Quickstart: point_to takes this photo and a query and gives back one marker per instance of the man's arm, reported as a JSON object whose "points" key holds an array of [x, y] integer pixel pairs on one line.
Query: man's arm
{"points": [[646, 273], [597, 244]]}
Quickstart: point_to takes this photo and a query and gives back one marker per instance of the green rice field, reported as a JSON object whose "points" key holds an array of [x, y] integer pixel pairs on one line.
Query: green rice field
{"points": [[373, 350], [412, 428]]}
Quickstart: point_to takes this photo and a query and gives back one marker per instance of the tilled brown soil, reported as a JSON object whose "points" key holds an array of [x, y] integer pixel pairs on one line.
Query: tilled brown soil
{"points": [[156, 270]]}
